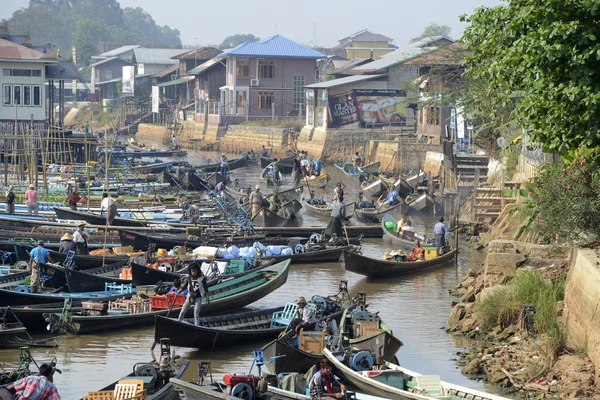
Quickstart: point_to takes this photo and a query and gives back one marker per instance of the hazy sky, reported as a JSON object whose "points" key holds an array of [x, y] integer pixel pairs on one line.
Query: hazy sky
{"points": [[209, 22]]}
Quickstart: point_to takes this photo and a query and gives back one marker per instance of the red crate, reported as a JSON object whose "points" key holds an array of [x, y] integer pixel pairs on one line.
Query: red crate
{"points": [[164, 302]]}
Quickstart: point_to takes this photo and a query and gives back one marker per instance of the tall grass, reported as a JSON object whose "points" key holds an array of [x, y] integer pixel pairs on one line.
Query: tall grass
{"points": [[503, 305]]}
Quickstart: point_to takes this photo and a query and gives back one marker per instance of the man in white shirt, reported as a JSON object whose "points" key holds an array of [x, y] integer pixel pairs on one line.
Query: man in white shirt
{"points": [[307, 320], [408, 231], [80, 237], [110, 205]]}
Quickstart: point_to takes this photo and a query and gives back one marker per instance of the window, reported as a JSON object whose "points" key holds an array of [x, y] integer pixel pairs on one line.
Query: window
{"points": [[108, 73], [17, 95], [266, 69], [7, 72], [298, 90], [241, 69], [265, 100], [21, 72], [37, 95], [26, 95], [36, 72], [7, 98]]}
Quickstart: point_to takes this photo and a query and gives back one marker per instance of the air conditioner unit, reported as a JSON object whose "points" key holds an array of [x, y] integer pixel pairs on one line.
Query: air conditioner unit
{"points": [[254, 82]]}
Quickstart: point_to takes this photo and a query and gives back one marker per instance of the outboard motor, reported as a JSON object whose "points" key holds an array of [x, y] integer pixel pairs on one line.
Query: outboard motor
{"points": [[363, 361]]}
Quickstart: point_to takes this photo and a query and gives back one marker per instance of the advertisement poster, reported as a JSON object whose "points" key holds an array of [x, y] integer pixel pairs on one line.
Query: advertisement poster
{"points": [[366, 108], [460, 124], [453, 118], [128, 79], [319, 120], [310, 95], [155, 99], [309, 116]]}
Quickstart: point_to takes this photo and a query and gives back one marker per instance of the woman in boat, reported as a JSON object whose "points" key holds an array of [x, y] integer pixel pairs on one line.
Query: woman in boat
{"points": [[197, 286], [338, 212], [67, 244], [324, 384], [417, 254], [400, 224], [297, 172], [224, 166]]}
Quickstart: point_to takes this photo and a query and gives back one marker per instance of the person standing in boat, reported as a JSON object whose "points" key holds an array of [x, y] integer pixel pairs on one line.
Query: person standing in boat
{"points": [[81, 237], [73, 199], [441, 232], [67, 244], [317, 166], [297, 172], [175, 142], [197, 286], [264, 152], [275, 167], [324, 384], [256, 200], [110, 205], [224, 166], [10, 200], [307, 319], [38, 255], [275, 202], [338, 213], [357, 160], [33, 387], [338, 192], [31, 197]]}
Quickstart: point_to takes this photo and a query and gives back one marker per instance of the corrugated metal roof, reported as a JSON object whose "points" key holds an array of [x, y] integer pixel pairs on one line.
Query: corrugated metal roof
{"points": [[275, 46], [156, 56], [13, 51], [109, 81], [370, 37], [202, 53], [169, 70], [429, 40], [108, 60], [119, 50], [204, 66], [174, 82], [343, 81], [389, 60]]}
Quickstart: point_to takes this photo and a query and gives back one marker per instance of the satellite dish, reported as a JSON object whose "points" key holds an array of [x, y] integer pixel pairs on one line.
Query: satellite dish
{"points": [[501, 141]]}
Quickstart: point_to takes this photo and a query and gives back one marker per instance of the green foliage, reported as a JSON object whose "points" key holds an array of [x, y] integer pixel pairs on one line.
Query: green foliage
{"points": [[527, 288], [236, 40], [537, 62], [511, 160], [90, 25], [433, 30]]}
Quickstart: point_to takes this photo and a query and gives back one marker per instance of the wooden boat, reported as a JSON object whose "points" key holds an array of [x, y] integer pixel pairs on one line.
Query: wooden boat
{"points": [[373, 268], [217, 390], [374, 189], [324, 210], [407, 243], [225, 296], [268, 218], [93, 218], [290, 194], [393, 382], [82, 262], [292, 360], [403, 187], [156, 375], [9, 331], [367, 332], [191, 181], [348, 168], [316, 181], [285, 165], [416, 179], [215, 178], [54, 276], [82, 281], [13, 298], [222, 330], [236, 163], [423, 202], [376, 214], [267, 176]]}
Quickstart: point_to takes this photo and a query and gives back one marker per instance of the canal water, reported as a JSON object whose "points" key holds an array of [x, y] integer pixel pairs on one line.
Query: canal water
{"points": [[415, 307]]}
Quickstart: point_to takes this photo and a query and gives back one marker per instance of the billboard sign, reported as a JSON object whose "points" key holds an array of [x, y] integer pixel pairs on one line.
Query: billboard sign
{"points": [[128, 80], [367, 107], [155, 99]]}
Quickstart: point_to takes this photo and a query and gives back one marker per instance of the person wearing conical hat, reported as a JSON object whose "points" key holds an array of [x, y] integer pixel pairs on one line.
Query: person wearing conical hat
{"points": [[67, 244]]}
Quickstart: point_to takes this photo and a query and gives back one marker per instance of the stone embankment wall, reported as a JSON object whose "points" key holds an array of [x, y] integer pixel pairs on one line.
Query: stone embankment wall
{"points": [[582, 305], [243, 138]]}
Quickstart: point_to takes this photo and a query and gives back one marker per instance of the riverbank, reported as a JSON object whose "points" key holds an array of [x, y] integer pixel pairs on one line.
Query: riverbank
{"points": [[532, 311]]}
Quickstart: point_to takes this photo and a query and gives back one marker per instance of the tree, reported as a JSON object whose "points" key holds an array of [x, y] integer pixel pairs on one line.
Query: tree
{"points": [[540, 59], [236, 40], [433, 30]]}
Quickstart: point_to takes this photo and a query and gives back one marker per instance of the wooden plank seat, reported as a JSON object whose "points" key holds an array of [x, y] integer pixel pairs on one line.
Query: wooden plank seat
{"points": [[430, 385], [284, 317]]}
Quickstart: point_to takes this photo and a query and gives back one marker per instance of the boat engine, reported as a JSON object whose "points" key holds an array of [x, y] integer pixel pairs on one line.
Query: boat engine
{"points": [[241, 386], [362, 361], [149, 370], [361, 316]]}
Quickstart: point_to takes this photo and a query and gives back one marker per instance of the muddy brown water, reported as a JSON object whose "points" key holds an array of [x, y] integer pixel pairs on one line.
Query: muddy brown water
{"points": [[415, 307]]}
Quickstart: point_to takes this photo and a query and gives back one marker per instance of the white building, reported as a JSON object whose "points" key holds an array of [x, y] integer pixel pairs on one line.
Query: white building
{"points": [[22, 79]]}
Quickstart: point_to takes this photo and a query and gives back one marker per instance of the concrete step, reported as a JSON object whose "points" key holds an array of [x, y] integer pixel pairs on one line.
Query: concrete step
{"points": [[489, 207], [487, 214], [495, 198]]}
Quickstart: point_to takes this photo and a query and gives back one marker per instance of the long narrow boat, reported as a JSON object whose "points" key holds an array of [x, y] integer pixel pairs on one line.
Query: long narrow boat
{"points": [[423, 202], [55, 276], [373, 268], [348, 168], [403, 187], [376, 214], [191, 181], [290, 194], [374, 189], [223, 330], [267, 176], [324, 210], [236, 163], [286, 165], [416, 179], [225, 296], [316, 181], [82, 281], [94, 219], [81, 261], [268, 218], [392, 382], [220, 391], [388, 220], [12, 297]]}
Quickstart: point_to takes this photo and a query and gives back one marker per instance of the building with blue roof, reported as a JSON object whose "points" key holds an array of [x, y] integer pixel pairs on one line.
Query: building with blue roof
{"points": [[262, 79]]}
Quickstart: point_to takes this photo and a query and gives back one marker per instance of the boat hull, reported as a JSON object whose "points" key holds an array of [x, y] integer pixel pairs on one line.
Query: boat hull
{"points": [[94, 219], [293, 360]]}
